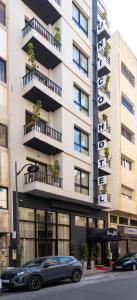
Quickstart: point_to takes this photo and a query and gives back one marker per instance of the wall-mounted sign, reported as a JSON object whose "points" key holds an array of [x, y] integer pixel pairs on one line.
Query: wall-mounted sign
{"points": [[130, 231], [102, 162], [101, 81], [102, 145], [101, 44], [102, 180], [102, 126]]}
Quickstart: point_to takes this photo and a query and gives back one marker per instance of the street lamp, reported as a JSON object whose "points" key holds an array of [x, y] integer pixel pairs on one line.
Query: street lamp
{"points": [[31, 169]]}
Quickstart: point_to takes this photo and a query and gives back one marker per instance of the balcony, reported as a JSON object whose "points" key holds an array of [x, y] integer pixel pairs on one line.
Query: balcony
{"points": [[44, 178], [36, 86], [103, 65], [47, 48], [104, 166], [104, 200], [41, 137], [45, 10], [103, 26], [104, 130], [103, 99]]}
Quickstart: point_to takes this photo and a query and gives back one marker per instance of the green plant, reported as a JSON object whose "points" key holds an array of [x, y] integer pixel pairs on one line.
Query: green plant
{"points": [[106, 152], [104, 15], [84, 251], [54, 169], [57, 33], [107, 82], [107, 49], [104, 189], [105, 118], [31, 55], [93, 253], [73, 249], [36, 111]]}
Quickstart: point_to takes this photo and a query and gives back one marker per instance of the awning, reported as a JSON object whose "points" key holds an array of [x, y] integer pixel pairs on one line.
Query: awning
{"points": [[100, 235]]}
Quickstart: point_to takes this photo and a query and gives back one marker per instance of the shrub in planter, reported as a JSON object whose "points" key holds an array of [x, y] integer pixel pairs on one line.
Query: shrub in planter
{"points": [[84, 255], [74, 249]]}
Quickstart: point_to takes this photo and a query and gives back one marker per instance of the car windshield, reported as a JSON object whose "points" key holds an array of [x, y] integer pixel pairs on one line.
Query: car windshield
{"points": [[33, 263]]}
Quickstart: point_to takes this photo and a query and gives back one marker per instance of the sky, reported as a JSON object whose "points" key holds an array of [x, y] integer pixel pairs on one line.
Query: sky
{"points": [[122, 15]]}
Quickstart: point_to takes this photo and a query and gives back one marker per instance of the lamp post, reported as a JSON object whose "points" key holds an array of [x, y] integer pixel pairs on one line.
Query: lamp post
{"points": [[31, 169]]}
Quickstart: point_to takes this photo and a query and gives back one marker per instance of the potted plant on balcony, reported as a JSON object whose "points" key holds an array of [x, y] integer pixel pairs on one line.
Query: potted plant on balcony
{"points": [[84, 255], [104, 15], [36, 114], [107, 82], [106, 152], [31, 55], [57, 34], [104, 189], [54, 170], [73, 249], [107, 49], [105, 118]]}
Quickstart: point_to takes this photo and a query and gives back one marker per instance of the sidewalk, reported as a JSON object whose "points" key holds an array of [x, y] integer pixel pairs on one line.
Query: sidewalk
{"points": [[89, 273]]}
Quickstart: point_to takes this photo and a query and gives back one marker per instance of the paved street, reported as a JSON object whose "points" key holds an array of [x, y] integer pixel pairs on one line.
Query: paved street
{"points": [[114, 286]]}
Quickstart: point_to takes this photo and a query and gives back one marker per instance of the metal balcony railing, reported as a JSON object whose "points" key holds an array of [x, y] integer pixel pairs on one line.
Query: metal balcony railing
{"points": [[107, 126], [44, 178], [43, 128], [108, 161], [104, 19], [34, 24], [43, 79], [107, 58], [104, 91]]}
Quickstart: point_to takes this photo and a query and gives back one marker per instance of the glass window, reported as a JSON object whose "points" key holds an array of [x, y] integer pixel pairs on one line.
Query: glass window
{"points": [[123, 221], [91, 222], [113, 219], [2, 70], [63, 219], [51, 217], [128, 134], [127, 164], [63, 247], [3, 198], [51, 248], [64, 260], [63, 233], [27, 229], [133, 222], [127, 73], [40, 216], [3, 135], [100, 224], [128, 104], [2, 14], [53, 261], [51, 231], [40, 231], [26, 214], [81, 141], [80, 19], [80, 221], [126, 192], [80, 60], [81, 179], [41, 248], [28, 250]]}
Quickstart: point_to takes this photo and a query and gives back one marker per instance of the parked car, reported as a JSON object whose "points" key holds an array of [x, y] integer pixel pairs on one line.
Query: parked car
{"points": [[127, 262], [39, 271]]}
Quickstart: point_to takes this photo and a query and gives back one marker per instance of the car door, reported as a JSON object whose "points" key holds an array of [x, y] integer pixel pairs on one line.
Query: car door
{"points": [[65, 266], [50, 269]]}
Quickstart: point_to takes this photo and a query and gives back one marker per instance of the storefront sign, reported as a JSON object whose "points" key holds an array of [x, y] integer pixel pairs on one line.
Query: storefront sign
{"points": [[130, 231], [112, 232]]}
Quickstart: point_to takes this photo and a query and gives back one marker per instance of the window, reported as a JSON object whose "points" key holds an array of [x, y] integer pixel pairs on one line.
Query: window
{"points": [[113, 219], [126, 72], [126, 163], [80, 60], [80, 221], [81, 141], [129, 135], [2, 14], [92, 222], [100, 224], [42, 167], [3, 198], [81, 100], [81, 181], [3, 135], [126, 192], [2, 70], [123, 221], [133, 222], [128, 104], [26, 214], [80, 19]]}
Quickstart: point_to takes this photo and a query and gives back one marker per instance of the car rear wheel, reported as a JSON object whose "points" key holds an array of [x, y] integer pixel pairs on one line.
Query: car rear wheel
{"points": [[134, 267], [35, 283], [76, 276]]}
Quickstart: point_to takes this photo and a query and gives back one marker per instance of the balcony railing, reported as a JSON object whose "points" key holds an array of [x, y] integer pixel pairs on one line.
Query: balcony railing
{"points": [[107, 58], [43, 128], [34, 24], [44, 178], [101, 15], [43, 79], [104, 91], [108, 161]]}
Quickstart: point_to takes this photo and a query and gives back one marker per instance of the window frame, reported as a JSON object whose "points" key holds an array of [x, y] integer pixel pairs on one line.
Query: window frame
{"points": [[6, 141], [128, 104], [4, 5], [78, 64], [81, 186], [7, 200], [5, 70], [128, 74], [125, 132], [125, 162], [82, 108], [80, 146], [79, 19]]}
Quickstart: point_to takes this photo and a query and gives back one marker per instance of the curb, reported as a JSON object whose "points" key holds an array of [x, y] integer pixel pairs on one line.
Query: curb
{"points": [[94, 273]]}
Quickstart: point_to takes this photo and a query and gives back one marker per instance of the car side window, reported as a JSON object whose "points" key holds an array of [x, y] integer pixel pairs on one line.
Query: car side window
{"points": [[52, 261], [64, 260]]}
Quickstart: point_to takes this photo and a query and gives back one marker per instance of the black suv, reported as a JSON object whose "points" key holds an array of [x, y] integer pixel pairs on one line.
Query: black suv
{"points": [[127, 262]]}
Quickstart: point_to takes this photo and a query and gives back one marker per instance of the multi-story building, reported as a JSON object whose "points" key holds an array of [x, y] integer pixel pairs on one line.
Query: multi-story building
{"points": [[56, 121], [123, 214]]}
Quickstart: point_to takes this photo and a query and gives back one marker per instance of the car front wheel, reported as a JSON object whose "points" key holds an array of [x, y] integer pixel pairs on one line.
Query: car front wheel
{"points": [[134, 267], [35, 283], [76, 276]]}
